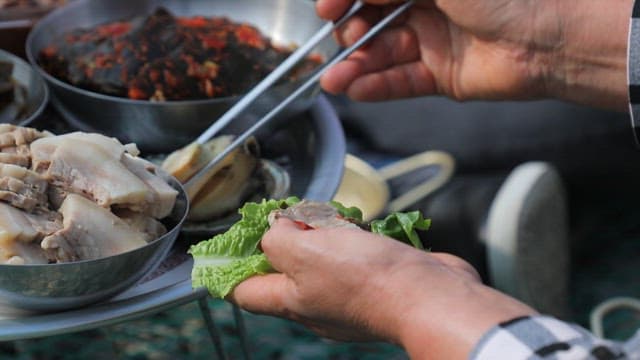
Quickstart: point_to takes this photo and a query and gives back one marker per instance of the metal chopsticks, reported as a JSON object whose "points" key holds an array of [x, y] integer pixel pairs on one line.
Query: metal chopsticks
{"points": [[199, 177], [275, 75]]}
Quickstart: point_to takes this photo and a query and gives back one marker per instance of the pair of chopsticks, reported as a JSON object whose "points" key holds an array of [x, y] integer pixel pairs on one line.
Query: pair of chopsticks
{"points": [[275, 75]]}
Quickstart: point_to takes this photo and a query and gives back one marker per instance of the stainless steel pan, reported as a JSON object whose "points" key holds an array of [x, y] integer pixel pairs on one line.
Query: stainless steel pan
{"points": [[165, 126], [55, 287]]}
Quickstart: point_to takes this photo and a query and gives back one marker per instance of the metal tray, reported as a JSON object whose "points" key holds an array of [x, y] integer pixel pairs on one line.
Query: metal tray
{"points": [[316, 171]]}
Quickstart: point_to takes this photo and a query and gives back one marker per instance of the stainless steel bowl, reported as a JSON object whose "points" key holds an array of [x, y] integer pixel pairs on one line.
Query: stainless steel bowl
{"points": [[165, 126], [37, 94], [63, 286]]}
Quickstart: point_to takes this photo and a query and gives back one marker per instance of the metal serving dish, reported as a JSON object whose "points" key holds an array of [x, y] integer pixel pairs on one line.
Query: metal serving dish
{"points": [[37, 94], [55, 287], [165, 126]]}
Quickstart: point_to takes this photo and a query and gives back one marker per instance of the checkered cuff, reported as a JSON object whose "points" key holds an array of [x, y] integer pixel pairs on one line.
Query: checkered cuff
{"points": [[543, 337], [633, 70]]}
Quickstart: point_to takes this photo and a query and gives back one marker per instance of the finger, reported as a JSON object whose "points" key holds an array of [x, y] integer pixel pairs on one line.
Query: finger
{"points": [[332, 9], [358, 25], [391, 47], [403, 81], [354, 28], [264, 294], [279, 242]]}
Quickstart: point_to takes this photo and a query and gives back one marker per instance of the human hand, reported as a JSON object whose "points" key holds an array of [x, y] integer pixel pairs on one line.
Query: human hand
{"points": [[489, 49], [350, 284]]}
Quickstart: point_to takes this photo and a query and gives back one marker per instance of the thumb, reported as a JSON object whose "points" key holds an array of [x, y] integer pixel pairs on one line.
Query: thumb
{"points": [[277, 243], [264, 294]]}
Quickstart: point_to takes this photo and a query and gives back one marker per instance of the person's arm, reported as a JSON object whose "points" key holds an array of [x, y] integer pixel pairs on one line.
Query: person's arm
{"points": [[590, 65], [350, 284], [501, 49]]}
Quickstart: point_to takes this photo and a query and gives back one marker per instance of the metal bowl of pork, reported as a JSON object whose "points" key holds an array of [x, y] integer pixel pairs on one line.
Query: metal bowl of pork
{"points": [[23, 92], [161, 126], [62, 286]]}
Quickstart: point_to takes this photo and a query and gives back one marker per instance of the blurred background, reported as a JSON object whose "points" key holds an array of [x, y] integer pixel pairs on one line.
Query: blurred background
{"points": [[592, 151]]}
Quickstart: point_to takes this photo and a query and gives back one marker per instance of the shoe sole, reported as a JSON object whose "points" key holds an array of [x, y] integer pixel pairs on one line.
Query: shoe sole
{"points": [[527, 238]]}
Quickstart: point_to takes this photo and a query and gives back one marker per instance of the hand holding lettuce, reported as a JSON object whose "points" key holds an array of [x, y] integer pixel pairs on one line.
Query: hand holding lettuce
{"points": [[227, 259]]}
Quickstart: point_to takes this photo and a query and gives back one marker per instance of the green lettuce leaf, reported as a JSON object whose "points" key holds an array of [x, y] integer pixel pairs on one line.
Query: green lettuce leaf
{"points": [[220, 278], [402, 226], [227, 259], [223, 261]]}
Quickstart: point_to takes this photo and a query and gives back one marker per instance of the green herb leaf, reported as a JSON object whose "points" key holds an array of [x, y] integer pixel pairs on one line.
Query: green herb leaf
{"points": [[402, 226]]}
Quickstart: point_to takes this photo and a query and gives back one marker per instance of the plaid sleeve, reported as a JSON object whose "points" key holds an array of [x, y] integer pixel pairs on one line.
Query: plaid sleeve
{"points": [[543, 337], [633, 70]]}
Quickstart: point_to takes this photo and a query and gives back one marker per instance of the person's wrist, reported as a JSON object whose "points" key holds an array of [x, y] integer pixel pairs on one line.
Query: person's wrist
{"points": [[453, 327], [589, 65]]}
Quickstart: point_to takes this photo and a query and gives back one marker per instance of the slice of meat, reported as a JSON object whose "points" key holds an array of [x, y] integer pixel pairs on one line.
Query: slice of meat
{"points": [[109, 145], [97, 167], [21, 232], [14, 226], [162, 197], [312, 214], [5, 128], [84, 168], [90, 232], [15, 159], [11, 136], [14, 144], [150, 227], [22, 188]]}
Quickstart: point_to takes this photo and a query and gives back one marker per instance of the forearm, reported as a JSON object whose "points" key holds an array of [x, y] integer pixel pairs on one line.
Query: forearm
{"points": [[590, 66], [449, 328]]}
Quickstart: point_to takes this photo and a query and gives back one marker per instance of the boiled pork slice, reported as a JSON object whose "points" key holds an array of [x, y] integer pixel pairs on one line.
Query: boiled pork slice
{"points": [[313, 214], [22, 188], [21, 232], [15, 159], [90, 232], [96, 167], [150, 227], [162, 197], [17, 155], [11, 135]]}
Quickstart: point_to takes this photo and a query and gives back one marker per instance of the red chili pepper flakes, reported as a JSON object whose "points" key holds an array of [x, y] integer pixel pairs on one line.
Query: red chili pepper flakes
{"points": [[102, 61], [249, 35], [137, 93], [50, 51], [169, 78], [204, 50], [193, 22], [114, 29], [213, 41]]}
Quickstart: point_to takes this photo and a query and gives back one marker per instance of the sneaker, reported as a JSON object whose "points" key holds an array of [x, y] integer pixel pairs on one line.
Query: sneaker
{"points": [[526, 238]]}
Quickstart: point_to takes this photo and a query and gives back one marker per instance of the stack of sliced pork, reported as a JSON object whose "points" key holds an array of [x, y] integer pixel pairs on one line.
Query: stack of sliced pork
{"points": [[77, 196]]}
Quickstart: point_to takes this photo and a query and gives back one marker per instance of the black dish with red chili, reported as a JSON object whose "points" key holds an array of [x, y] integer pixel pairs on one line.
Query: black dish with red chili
{"points": [[163, 57]]}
